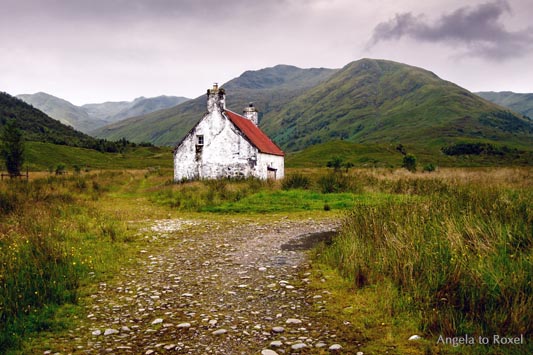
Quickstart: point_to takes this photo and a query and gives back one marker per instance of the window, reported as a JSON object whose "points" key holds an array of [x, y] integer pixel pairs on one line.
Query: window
{"points": [[199, 140]]}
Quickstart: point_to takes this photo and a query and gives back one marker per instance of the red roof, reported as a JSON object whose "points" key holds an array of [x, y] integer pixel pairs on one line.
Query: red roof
{"points": [[257, 137]]}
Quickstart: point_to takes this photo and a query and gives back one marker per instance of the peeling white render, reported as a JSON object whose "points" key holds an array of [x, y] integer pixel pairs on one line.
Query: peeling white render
{"points": [[217, 148]]}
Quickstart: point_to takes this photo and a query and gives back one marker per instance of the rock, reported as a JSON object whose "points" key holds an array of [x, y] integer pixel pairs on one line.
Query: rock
{"points": [[415, 337], [97, 332], [110, 331], [293, 321], [157, 321], [219, 332], [298, 346], [278, 329], [262, 269], [149, 352], [276, 344], [187, 295], [359, 353], [335, 347], [320, 345], [268, 352], [184, 325]]}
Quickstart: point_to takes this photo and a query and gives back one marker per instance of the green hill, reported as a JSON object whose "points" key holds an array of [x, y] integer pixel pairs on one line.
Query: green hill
{"points": [[377, 101], [368, 102], [270, 89], [37, 126], [522, 103]]}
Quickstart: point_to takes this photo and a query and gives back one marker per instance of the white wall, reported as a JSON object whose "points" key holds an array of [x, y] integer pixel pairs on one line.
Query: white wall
{"points": [[274, 161], [226, 153]]}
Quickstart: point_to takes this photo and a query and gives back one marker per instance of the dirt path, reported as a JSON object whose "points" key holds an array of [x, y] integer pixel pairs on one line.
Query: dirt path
{"points": [[205, 288]]}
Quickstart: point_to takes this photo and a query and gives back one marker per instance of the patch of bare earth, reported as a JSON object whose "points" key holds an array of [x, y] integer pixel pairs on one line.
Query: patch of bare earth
{"points": [[207, 288]]}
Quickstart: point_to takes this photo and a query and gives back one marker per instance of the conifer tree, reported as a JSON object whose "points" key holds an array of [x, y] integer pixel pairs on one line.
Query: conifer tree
{"points": [[12, 148]]}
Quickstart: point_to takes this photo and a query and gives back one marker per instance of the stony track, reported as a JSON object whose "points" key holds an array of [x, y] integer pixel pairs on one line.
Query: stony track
{"points": [[201, 287]]}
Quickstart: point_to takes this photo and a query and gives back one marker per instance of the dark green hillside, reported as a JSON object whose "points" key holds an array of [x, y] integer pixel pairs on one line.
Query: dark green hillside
{"points": [[270, 89], [37, 126], [522, 103], [377, 101]]}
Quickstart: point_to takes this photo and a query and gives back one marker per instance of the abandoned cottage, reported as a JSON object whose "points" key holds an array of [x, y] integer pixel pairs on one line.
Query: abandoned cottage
{"points": [[226, 144]]}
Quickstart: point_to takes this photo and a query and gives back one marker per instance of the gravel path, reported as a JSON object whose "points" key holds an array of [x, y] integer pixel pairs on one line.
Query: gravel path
{"points": [[204, 288]]}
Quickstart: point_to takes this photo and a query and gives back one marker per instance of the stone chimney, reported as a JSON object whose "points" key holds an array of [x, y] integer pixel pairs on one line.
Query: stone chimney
{"points": [[251, 113], [216, 99]]}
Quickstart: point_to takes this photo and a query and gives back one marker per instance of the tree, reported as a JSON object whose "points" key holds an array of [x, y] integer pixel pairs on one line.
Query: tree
{"points": [[12, 148], [409, 162]]}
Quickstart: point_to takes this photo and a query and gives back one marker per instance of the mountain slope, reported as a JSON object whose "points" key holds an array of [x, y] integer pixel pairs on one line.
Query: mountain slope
{"points": [[367, 101], [62, 110], [270, 89], [378, 101], [111, 112], [37, 126], [91, 116], [522, 103]]}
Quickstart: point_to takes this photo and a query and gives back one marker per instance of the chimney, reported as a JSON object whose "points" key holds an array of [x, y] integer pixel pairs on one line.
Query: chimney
{"points": [[216, 99], [251, 113]]}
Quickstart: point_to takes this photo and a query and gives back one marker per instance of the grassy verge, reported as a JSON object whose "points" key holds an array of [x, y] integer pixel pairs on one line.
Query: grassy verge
{"points": [[457, 261]]}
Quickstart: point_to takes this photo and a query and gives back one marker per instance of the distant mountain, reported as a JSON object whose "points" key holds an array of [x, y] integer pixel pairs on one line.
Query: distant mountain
{"points": [[521, 103], [112, 112], [91, 116], [270, 89], [367, 101], [63, 111], [37, 126]]}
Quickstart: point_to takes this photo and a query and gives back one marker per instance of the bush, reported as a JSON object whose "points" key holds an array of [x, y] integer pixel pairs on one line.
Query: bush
{"points": [[428, 168], [296, 181], [409, 162], [334, 182]]}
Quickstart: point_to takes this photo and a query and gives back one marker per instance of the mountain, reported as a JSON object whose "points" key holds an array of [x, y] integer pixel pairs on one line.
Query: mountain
{"points": [[367, 101], [379, 101], [37, 126], [270, 89], [62, 110], [522, 103], [91, 116], [112, 112]]}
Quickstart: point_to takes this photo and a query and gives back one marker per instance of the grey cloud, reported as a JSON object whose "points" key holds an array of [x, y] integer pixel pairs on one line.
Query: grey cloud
{"points": [[479, 29]]}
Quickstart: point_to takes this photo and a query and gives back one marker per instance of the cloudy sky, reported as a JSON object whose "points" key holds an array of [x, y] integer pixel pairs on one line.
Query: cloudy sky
{"points": [[108, 50]]}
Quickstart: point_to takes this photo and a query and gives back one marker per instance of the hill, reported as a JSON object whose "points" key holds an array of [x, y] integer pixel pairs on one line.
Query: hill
{"points": [[270, 89], [368, 101], [378, 101], [62, 110], [91, 116], [111, 112], [37, 126], [522, 103]]}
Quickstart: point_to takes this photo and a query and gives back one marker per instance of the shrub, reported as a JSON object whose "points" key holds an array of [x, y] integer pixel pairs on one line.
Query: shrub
{"points": [[296, 181], [409, 162], [334, 182], [430, 167]]}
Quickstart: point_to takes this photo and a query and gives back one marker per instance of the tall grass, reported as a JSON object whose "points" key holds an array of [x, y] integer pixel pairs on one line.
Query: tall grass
{"points": [[50, 238], [460, 258]]}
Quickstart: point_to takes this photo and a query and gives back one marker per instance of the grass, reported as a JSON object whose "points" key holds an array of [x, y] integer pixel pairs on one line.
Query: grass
{"points": [[458, 260], [446, 252]]}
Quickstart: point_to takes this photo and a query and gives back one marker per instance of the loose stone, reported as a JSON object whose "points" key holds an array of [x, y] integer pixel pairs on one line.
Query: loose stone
{"points": [[157, 321], [298, 346], [220, 332], [276, 344], [278, 329], [96, 332], [293, 321], [110, 331], [184, 325], [268, 352], [335, 347]]}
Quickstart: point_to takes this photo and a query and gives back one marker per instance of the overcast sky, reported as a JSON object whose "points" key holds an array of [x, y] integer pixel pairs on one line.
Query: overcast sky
{"points": [[108, 50]]}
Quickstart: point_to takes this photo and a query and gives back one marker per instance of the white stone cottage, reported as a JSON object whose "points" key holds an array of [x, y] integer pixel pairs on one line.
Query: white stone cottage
{"points": [[226, 144]]}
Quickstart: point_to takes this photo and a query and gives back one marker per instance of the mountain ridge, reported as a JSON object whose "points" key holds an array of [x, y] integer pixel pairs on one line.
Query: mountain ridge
{"points": [[88, 117]]}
